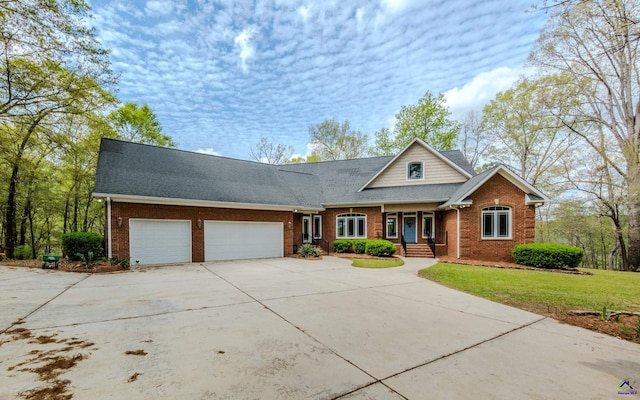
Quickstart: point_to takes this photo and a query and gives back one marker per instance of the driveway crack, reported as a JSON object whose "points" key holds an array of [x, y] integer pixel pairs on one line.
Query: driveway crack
{"points": [[266, 307], [47, 302]]}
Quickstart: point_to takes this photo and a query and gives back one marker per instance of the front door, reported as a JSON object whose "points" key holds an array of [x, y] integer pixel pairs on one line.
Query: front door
{"points": [[306, 229], [410, 229]]}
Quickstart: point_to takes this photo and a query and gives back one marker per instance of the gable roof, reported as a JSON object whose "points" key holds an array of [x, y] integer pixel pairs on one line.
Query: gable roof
{"points": [[133, 170], [461, 195], [144, 173], [453, 158]]}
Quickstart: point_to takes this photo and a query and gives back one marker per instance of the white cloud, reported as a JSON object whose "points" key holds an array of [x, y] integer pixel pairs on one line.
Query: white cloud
{"points": [[243, 41], [481, 89], [305, 12], [359, 18], [159, 7], [209, 150], [395, 5], [353, 59]]}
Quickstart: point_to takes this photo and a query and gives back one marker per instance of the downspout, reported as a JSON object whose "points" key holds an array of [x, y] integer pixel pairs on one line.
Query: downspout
{"points": [[109, 246], [458, 231]]}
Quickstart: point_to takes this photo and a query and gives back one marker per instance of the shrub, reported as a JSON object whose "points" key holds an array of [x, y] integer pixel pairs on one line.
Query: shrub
{"points": [[123, 263], [308, 250], [22, 252], [343, 246], [74, 243], [381, 248], [548, 255], [359, 245]]}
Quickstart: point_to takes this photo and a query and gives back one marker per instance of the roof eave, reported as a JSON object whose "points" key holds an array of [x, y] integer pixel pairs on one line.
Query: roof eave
{"points": [[122, 198]]}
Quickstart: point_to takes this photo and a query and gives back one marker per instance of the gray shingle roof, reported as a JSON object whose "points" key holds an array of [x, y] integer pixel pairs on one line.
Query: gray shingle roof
{"points": [[142, 170]]}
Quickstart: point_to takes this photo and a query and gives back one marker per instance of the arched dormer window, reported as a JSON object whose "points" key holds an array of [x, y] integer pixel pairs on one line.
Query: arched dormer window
{"points": [[351, 225], [496, 222]]}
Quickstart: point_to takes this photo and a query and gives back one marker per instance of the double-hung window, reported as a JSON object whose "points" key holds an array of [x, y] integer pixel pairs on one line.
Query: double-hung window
{"points": [[496, 223], [351, 226]]}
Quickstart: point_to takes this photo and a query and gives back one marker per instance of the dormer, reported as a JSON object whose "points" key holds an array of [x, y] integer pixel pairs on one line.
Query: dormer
{"points": [[418, 164]]}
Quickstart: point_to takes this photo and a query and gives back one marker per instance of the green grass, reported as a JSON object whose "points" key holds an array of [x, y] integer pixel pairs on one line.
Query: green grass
{"points": [[376, 262], [543, 291]]}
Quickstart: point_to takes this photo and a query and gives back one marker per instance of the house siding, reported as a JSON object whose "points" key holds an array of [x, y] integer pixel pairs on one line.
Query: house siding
{"points": [[435, 170], [498, 191], [126, 211]]}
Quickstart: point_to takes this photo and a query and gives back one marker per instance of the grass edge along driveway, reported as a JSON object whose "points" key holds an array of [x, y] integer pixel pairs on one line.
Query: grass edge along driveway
{"points": [[543, 291]]}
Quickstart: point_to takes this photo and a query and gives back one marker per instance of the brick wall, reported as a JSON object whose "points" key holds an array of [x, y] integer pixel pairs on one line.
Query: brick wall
{"points": [[498, 191], [125, 211]]}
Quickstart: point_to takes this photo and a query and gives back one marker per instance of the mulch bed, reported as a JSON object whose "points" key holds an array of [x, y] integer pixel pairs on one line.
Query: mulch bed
{"points": [[100, 267], [507, 265]]}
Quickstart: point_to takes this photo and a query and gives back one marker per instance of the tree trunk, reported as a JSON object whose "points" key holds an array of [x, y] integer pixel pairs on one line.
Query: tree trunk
{"points": [[633, 205], [34, 252], [10, 215], [23, 221]]}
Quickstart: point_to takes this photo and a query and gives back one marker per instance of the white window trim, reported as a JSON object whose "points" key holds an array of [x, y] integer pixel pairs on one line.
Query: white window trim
{"points": [[355, 217], [386, 231], [421, 167], [309, 238], [433, 224], [495, 213], [317, 235]]}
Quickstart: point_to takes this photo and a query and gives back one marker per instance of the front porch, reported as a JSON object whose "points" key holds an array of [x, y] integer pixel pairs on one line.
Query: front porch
{"points": [[417, 232]]}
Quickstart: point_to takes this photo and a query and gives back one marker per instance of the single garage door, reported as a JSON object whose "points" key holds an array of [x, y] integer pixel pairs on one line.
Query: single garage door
{"points": [[228, 240], [153, 241]]}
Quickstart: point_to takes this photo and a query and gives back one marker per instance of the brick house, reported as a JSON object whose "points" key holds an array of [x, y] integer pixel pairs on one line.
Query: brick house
{"points": [[167, 206]]}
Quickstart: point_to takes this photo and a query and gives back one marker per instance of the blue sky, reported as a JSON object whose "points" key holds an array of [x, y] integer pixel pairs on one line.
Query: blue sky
{"points": [[222, 74]]}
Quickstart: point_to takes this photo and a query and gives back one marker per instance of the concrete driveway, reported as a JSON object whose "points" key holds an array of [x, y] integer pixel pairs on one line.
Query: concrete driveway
{"points": [[288, 329]]}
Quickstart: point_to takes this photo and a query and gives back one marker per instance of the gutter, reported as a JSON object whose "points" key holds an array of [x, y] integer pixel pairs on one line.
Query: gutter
{"points": [[109, 245]]}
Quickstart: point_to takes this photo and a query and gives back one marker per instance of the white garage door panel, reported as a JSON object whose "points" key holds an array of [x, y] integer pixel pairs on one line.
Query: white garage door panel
{"points": [[159, 241], [226, 240]]}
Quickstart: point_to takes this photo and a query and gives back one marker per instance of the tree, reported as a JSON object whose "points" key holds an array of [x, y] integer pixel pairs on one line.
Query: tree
{"points": [[268, 152], [474, 139], [524, 134], [428, 120], [139, 124], [332, 140], [311, 158], [595, 44]]}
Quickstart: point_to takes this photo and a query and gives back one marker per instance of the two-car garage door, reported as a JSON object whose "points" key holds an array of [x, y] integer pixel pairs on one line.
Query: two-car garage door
{"points": [[169, 241]]}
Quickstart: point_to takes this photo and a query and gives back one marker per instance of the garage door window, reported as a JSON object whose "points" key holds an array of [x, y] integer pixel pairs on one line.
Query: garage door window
{"points": [[351, 226]]}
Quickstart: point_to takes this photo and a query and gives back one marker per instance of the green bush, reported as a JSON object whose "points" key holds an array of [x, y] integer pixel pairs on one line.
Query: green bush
{"points": [[380, 248], [548, 255], [74, 243], [360, 245], [23, 252], [123, 263], [343, 246], [308, 250]]}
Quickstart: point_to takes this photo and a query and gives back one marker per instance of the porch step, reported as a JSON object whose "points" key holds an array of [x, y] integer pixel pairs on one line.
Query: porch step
{"points": [[419, 250]]}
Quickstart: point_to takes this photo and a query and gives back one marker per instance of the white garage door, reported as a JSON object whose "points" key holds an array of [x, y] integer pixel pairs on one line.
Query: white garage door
{"points": [[227, 240], [159, 241]]}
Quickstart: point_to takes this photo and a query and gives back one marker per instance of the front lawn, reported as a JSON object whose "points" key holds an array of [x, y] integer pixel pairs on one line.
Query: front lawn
{"points": [[376, 262], [541, 291]]}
